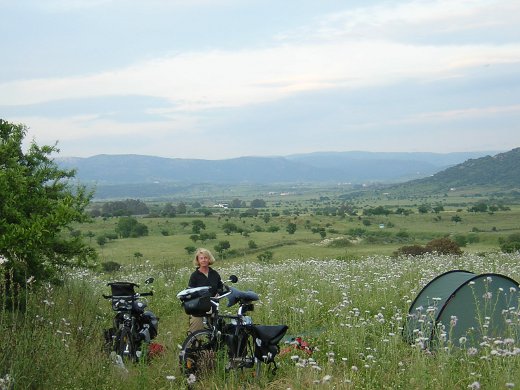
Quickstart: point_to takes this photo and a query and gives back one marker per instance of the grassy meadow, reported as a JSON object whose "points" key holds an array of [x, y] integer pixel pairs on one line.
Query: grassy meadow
{"points": [[344, 294]]}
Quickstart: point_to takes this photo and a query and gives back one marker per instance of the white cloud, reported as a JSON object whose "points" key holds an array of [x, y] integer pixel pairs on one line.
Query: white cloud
{"points": [[193, 81]]}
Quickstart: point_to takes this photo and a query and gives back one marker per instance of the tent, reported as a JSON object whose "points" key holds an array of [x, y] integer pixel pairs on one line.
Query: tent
{"points": [[464, 308]]}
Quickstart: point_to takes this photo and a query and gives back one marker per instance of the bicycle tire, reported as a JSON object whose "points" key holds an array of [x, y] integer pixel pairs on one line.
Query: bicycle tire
{"points": [[198, 353], [125, 345]]}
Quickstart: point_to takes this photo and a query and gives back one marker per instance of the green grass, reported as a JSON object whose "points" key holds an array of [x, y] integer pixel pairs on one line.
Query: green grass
{"points": [[351, 312], [348, 298], [157, 248]]}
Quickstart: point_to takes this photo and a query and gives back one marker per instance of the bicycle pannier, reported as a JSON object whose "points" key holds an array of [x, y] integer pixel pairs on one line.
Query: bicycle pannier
{"points": [[267, 338]]}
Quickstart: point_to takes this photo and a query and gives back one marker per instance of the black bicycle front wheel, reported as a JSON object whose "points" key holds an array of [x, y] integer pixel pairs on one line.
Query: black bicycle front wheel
{"points": [[198, 353], [125, 345]]}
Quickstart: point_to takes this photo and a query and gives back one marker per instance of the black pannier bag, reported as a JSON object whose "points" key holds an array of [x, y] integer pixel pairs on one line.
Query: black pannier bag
{"points": [[267, 338], [196, 301], [151, 319]]}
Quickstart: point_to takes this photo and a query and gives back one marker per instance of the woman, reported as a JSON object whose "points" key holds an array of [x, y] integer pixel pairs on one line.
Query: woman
{"points": [[204, 275]]}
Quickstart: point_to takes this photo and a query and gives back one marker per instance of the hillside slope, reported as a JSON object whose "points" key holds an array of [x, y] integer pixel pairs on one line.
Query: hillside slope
{"points": [[500, 171]]}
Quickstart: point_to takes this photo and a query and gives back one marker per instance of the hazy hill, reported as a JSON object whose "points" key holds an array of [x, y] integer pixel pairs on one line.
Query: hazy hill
{"points": [[354, 167], [501, 171]]}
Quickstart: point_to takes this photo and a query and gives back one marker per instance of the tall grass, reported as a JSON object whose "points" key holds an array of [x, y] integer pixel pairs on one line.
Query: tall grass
{"points": [[350, 311]]}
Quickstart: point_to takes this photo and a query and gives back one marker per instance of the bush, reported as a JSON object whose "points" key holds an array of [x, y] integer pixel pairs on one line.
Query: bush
{"points": [[339, 243], [443, 246], [461, 240], [510, 244], [110, 266], [265, 256], [410, 250]]}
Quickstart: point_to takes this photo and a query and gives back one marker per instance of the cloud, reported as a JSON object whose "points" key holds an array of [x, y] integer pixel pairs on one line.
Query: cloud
{"points": [[202, 80]]}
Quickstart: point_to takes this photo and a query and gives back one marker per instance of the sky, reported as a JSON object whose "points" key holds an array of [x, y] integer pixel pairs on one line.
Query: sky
{"points": [[218, 79]]}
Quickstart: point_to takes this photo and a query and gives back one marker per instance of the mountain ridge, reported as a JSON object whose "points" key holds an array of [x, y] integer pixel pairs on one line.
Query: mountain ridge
{"points": [[321, 167]]}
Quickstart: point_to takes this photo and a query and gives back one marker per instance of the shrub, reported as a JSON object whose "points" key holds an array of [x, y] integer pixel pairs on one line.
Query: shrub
{"points": [[265, 256], [410, 250], [510, 244], [443, 246], [339, 243], [461, 240], [110, 266]]}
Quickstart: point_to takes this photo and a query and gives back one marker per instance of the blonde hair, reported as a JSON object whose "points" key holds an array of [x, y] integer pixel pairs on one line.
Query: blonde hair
{"points": [[203, 251]]}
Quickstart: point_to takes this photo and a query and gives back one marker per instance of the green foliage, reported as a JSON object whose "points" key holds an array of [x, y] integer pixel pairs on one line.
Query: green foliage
{"points": [[190, 250], [265, 256], [124, 208], [131, 227], [169, 210], [480, 207], [197, 225], [222, 246], [258, 203], [461, 240], [424, 208], [38, 205], [511, 243], [110, 266], [456, 218], [341, 242], [229, 227], [291, 228], [252, 244], [379, 210]]}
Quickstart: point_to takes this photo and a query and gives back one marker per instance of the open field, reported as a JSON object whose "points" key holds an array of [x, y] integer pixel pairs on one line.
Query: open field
{"points": [[350, 312], [346, 235], [334, 282]]}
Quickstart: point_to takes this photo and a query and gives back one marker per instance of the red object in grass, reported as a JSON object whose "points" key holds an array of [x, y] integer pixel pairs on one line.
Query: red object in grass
{"points": [[155, 350]]}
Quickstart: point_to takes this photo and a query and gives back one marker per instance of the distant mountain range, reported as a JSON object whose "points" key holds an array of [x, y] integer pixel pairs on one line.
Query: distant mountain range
{"points": [[150, 176], [354, 167]]}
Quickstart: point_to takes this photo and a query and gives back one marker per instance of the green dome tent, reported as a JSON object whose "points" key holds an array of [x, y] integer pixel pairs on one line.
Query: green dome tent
{"points": [[464, 308]]}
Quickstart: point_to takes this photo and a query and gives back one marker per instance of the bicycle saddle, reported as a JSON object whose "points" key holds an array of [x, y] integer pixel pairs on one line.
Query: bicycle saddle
{"points": [[241, 296]]}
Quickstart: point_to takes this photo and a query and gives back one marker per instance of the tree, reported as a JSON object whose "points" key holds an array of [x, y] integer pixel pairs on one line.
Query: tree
{"points": [[197, 225], [130, 227], [169, 210], [181, 208], [222, 246], [291, 228], [237, 203], [39, 203], [257, 203]]}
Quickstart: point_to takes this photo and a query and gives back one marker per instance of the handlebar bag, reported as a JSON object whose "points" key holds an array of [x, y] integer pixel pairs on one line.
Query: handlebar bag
{"points": [[123, 289], [196, 301]]}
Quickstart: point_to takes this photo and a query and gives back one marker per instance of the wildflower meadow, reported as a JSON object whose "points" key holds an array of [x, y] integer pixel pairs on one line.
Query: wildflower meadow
{"points": [[350, 314]]}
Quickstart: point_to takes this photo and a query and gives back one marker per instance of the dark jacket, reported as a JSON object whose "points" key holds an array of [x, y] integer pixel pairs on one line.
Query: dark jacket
{"points": [[198, 279]]}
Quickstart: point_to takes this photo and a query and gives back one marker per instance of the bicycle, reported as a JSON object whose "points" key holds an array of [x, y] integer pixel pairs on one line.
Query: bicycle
{"points": [[246, 345], [132, 324]]}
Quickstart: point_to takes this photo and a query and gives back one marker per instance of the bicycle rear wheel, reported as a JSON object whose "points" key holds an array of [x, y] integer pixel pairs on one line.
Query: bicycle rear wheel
{"points": [[198, 353]]}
